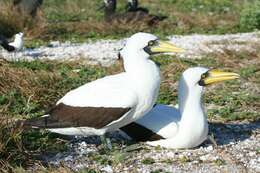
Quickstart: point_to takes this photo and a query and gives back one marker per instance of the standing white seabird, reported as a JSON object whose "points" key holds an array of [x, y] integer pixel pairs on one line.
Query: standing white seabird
{"points": [[183, 127], [113, 101], [14, 46]]}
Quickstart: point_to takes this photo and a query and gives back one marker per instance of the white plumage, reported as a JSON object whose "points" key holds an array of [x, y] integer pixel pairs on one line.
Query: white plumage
{"points": [[110, 91], [18, 42]]}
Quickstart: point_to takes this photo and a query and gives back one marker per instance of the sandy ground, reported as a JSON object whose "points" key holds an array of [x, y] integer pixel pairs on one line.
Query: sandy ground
{"points": [[105, 52], [237, 151]]}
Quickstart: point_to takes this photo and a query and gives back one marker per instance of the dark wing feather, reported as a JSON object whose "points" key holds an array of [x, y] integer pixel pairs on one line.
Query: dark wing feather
{"points": [[62, 116], [140, 133], [4, 43]]}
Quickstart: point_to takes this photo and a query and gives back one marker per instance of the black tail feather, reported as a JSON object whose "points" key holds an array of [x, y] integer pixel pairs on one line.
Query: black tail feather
{"points": [[4, 43], [36, 123]]}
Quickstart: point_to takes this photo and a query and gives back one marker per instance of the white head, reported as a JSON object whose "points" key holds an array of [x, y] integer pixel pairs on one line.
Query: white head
{"points": [[191, 78], [18, 41], [19, 35], [200, 76], [194, 79], [142, 45]]}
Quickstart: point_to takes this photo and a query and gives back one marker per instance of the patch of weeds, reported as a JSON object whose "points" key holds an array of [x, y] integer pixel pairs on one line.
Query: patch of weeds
{"points": [[219, 162], [206, 61], [233, 106], [248, 71], [250, 16], [11, 148], [24, 147], [19, 170], [132, 146], [166, 96], [148, 161], [168, 161], [87, 170], [258, 151], [101, 159], [163, 60], [17, 104], [119, 157], [31, 44], [43, 141], [112, 157], [184, 159], [3, 99], [158, 148], [33, 65]]}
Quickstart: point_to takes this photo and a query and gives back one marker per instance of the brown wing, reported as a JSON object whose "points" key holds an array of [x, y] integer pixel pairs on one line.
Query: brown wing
{"points": [[62, 116], [140, 133]]}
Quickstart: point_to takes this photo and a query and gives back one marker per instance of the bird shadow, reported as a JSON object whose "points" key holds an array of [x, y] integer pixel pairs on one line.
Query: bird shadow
{"points": [[228, 133], [223, 134]]}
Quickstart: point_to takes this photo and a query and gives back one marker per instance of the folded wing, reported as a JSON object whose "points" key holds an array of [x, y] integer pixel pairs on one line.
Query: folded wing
{"points": [[95, 104]]}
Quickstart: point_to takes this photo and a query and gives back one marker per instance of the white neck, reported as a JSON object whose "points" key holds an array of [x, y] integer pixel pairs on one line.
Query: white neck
{"points": [[132, 60], [190, 104], [193, 126], [145, 76]]}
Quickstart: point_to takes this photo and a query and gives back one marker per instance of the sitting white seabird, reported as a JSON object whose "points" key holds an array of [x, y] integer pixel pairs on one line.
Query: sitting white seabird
{"points": [[113, 101], [16, 45], [183, 127]]}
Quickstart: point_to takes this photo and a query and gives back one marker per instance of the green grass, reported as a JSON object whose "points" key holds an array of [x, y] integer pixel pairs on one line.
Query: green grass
{"points": [[184, 159], [79, 20], [148, 161], [184, 16], [219, 162]]}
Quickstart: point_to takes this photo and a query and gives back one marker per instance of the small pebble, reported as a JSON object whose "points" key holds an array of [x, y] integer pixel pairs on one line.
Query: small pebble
{"points": [[209, 148], [107, 169]]}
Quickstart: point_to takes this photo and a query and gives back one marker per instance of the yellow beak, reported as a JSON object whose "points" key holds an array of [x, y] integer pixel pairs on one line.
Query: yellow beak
{"points": [[215, 76], [165, 47]]}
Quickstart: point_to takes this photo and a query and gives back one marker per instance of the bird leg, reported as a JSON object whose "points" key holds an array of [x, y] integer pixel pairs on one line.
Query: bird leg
{"points": [[212, 140], [106, 141]]}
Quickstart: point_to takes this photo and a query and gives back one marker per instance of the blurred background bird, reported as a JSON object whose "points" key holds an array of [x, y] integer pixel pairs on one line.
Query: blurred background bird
{"points": [[27, 7], [14, 46], [133, 13]]}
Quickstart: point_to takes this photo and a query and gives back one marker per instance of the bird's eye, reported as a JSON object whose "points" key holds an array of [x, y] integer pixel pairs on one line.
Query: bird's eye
{"points": [[151, 43], [203, 76]]}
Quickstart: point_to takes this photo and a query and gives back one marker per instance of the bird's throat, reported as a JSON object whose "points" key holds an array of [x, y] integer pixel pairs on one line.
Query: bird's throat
{"points": [[193, 117]]}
